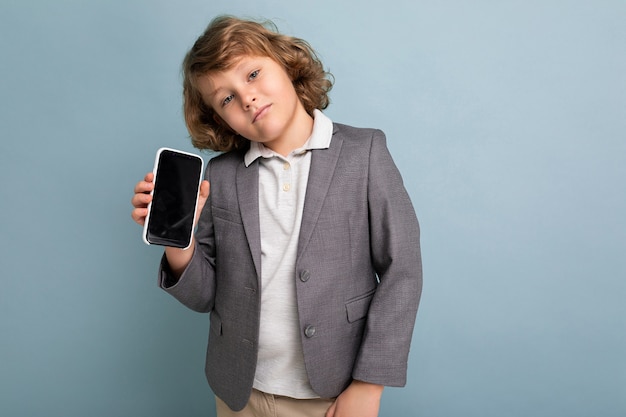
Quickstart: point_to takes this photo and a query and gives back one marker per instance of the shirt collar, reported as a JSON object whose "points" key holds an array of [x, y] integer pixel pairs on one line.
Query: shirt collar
{"points": [[320, 139]]}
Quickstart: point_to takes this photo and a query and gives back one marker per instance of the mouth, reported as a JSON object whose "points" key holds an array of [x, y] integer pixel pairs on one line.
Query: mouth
{"points": [[262, 111]]}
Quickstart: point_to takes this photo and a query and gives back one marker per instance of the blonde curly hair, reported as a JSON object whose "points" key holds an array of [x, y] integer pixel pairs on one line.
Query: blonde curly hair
{"points": [[225, 40]]}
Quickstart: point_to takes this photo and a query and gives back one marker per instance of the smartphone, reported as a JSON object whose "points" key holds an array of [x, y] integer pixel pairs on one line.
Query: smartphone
{"points": [[171, 214]]}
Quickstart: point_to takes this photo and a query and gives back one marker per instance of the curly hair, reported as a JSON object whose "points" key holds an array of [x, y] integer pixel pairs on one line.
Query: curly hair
{"points": [[225, 40]]}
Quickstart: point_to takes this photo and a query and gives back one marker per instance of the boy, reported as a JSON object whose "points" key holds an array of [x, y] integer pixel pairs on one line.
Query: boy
{"points": [[307, 248]]}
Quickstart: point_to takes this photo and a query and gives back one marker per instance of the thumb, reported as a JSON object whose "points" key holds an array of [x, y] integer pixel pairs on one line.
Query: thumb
{"points": [[203, 195], [205, 188]]}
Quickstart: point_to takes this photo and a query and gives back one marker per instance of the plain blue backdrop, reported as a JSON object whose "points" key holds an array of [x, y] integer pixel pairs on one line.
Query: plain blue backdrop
{"points": [[506, 118]]}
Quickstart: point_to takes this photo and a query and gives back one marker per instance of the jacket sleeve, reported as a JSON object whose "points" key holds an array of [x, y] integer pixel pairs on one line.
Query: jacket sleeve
{"points": [[395, 256], [196, 286]]}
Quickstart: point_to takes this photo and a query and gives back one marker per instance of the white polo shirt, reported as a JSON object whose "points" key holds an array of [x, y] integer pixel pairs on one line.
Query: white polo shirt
{"points": [[282, 188]]}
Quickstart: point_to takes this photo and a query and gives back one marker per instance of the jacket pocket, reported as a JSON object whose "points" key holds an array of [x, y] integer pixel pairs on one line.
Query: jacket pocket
{"points": [[357, 309], [230, 216]]}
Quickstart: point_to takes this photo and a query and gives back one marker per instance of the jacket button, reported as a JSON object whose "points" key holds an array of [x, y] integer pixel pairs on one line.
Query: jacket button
{"points": [[309, 331], [305, 275]]}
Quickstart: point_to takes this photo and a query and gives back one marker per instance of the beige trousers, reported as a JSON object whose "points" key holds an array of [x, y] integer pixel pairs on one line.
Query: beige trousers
{"points": [[268, 405]]}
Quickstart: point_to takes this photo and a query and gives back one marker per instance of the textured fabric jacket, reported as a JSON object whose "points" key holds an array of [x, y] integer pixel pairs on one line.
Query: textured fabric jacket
{"points": [[358, 269]]}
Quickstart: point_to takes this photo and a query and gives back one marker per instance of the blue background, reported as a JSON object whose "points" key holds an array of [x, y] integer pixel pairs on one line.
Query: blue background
{"points": [[507, 120]]}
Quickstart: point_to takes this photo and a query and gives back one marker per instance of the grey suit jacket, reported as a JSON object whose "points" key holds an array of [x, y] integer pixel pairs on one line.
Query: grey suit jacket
{"points": [[358, 269]]}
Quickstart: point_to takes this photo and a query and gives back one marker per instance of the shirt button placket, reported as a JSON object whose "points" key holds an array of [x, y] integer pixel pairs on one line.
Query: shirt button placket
{"points": [[286, 176]]}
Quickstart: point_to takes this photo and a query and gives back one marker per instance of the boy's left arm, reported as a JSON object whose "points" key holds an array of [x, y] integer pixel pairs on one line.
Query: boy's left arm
{"points": [[395, 252]]}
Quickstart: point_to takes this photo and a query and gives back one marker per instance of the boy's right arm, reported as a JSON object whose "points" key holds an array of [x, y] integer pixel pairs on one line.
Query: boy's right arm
{"points": [[178, 259]]}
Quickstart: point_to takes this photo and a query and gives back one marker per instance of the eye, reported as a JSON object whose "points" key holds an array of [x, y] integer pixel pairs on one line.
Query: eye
{"points": [[253, 75], [227, 100]]}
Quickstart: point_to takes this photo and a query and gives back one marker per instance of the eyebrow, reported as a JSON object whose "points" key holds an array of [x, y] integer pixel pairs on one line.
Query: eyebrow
{"points": [[213, 93]]}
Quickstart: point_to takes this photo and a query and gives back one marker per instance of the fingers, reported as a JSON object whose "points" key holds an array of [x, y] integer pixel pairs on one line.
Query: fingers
{"points": [[145, 186], [139, 215], [142, 198], [331, 410]]}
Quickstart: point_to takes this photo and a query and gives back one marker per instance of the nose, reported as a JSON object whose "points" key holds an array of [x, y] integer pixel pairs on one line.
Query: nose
{"points": [[249, 102]]}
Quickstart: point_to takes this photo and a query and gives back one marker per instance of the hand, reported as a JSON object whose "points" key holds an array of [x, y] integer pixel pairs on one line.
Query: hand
{"points": [[360, 399], [142, 198], [178, 258]]}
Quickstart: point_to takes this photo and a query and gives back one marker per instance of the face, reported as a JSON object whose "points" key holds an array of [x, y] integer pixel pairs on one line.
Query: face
{"points": [[256, 98]]}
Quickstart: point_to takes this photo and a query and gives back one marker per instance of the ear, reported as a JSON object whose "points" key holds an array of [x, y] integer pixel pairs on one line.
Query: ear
{"points": [[217, 119]]}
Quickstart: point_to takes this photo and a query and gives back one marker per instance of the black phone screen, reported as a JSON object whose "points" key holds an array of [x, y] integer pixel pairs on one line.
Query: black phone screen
{"points": [[177, 178]]}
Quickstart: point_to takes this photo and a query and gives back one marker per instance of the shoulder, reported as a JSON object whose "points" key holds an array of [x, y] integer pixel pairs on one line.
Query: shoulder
{"points": [[360, 139], [367, 146], [224, 164], [223, 160], [356, 133]]}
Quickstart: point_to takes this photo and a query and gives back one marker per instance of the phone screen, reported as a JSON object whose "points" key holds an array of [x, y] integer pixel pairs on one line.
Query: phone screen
{"points": [[171, 213]]}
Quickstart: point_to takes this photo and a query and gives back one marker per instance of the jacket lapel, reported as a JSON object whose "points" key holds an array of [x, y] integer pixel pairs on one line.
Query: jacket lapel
{"points": [[248, 195], [323, 163]]}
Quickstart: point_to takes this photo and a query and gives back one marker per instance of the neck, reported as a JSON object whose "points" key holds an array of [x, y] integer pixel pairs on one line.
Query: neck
{"points": [[301, 128]]}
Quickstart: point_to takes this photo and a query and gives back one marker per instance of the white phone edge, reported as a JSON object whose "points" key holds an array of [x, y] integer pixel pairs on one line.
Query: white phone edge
{"points": [[154, 172]]}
